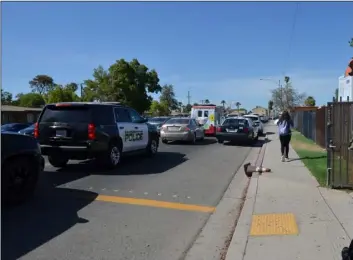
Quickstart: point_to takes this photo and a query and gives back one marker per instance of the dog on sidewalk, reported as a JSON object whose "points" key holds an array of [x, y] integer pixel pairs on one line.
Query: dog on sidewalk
{"points": [[347, 252]]}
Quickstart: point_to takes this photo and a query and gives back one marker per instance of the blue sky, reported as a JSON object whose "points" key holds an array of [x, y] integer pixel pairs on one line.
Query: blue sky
{"points": [[216, 50]]}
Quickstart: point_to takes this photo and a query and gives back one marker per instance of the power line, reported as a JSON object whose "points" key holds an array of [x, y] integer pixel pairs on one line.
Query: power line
{"points": [[291, 38]]}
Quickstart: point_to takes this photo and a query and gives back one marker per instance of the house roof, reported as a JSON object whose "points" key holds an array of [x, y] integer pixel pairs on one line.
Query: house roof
{"points": [[8, 108]]}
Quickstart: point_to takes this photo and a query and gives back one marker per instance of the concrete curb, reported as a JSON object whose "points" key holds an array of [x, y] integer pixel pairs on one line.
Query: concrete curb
{"points": [[239, 240], [213, 240], [238, 244]]}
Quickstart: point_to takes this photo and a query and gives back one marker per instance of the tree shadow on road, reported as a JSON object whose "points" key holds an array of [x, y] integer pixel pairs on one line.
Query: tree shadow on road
{"points": [[50, 213], [270, 133], [130, 165], [258, 143]]}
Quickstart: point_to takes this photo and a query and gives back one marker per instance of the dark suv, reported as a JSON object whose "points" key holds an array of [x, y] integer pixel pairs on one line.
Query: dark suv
{"points": [[84, 130]]}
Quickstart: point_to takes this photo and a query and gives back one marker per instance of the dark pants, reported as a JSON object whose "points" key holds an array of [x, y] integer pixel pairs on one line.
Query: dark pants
{"points": [[285, 140]]}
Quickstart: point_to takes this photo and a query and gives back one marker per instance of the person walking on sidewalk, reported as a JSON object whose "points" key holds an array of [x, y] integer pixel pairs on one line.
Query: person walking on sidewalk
{"points": [[285, 124]]}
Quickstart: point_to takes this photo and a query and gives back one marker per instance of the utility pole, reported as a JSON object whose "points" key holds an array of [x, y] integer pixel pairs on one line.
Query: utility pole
{"points": [[189, 97], [81, 89]]}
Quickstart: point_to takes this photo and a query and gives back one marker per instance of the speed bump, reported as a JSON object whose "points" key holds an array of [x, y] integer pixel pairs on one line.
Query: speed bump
{"points": [[274, 224]]}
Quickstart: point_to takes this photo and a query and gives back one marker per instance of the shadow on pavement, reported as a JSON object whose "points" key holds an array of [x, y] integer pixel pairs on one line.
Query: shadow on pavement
{"points": [[259, 143], [270, 133], [206, 141], [130, 165], [47, 215], [308, 158]]}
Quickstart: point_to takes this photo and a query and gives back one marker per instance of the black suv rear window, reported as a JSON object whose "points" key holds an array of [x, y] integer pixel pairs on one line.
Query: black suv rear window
{"points": [[236, 122], [66, 114]]}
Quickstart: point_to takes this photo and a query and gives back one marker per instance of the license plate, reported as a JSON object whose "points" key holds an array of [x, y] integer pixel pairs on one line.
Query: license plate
{"points": [[173, 128], [61, 133], [232, 130]]}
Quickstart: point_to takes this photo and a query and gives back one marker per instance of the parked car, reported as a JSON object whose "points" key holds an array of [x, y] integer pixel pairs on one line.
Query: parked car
{"points": [[21, 164], [27, 131], [237, 129], [14, 127], [158, 122], [106, 131], [257, 121], [182, 129]]}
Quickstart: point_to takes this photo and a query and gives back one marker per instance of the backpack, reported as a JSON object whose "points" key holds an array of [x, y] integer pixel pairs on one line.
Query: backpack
{"points": [[347, 252]]}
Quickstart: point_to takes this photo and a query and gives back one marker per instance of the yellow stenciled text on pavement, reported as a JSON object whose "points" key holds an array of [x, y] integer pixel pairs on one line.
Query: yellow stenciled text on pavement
{"points": [[273, 224]]}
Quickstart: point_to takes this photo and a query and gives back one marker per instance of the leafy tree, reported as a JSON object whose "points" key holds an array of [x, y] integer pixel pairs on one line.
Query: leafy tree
{"points": [[188, 108], [310, 101], [168, 96], [126, 82], [6, 97], [196, 104], [207, 101], [223, 102], [41, 84], [30, 100], [180, 105], [287, 97], [73, 87], [62, 94], [270, 106], [159, 108]]}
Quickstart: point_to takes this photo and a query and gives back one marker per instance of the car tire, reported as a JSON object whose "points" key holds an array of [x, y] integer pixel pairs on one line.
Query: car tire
{"points": [[193, 140], [113, 156], [220, 141], [164, 141], [19, 168], [58, 161], [152, 147]]}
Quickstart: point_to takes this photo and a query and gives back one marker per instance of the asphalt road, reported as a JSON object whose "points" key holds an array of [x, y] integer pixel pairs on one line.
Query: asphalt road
{"points": [[81, 212]]}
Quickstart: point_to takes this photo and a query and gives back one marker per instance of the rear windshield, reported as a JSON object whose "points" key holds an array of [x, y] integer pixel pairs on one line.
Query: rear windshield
{"points": [[157, 119], [66, 114], [254, 118], [178, 121], [233, 121]]}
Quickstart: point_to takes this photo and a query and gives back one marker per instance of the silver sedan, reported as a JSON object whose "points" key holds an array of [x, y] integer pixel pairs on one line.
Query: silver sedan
{"points": [[182, 129]]}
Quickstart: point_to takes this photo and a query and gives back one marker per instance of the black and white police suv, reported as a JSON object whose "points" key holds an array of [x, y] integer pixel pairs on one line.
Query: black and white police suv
{"points": [[83, 130]]}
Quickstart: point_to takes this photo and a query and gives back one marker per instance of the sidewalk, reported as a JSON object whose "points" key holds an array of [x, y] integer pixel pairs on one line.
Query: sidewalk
{"points": [[302, 221]]}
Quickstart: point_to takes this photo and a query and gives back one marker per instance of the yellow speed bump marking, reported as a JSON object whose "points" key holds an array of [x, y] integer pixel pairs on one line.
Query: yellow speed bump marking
{"points": [[273, 224], [155, 203]]}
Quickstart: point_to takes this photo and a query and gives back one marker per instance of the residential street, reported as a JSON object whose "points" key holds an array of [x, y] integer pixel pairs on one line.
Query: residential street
{"points": [[83, 213]]}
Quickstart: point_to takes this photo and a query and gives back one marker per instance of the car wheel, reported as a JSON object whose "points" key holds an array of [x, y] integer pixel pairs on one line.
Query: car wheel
{"points": [[152, 147], [113, 156], [164, 141], [18, 180], [58, 160], [220, 141], [193, 140]]}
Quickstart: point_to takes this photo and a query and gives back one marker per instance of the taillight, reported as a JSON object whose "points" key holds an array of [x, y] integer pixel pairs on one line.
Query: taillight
{"points": [[36, 130], [246, 130], [186, 129], [91, 131], [219, 129]]}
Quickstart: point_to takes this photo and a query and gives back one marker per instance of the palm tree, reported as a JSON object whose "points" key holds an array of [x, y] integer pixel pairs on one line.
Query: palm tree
{"points": [[238, 107], [207, 101], [223, 103]]}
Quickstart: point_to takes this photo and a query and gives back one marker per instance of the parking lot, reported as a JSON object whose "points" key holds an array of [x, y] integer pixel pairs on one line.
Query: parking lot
{"points": [[148, 208]]}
